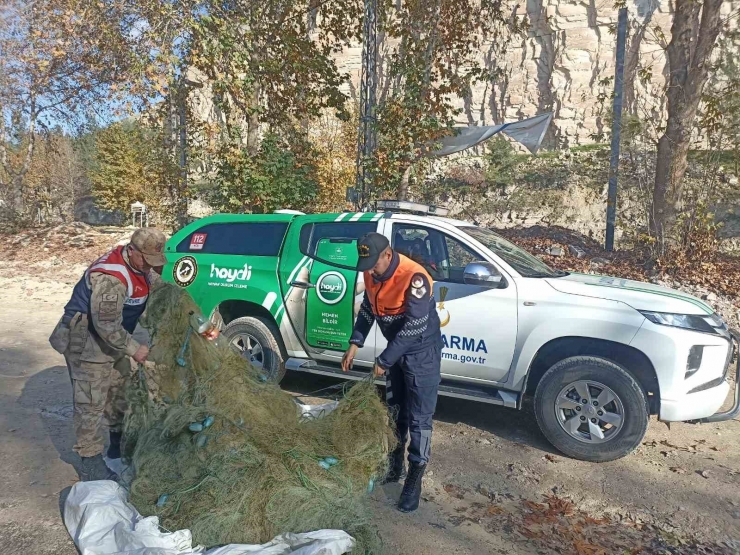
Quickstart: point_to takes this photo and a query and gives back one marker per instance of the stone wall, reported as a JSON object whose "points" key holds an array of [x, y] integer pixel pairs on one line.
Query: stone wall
{"points": [[562, 65]]}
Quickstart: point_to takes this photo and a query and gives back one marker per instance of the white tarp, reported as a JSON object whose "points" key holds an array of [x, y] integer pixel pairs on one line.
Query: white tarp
{"points": [[528, 132], [102, 522]]}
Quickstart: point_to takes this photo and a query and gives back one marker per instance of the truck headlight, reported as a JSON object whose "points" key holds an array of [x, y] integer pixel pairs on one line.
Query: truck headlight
{"points": [[705, 324]]}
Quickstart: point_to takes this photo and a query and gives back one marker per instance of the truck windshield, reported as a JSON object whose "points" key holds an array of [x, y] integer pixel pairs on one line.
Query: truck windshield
{"points": [[519, 259]]}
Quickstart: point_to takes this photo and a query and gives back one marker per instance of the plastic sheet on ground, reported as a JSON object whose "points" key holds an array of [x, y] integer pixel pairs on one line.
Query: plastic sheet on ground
{"points": [[102, 522], [316, 411]]}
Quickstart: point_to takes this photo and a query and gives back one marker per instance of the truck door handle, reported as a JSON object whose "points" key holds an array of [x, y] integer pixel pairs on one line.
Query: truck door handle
{"points": [[302, 284]]}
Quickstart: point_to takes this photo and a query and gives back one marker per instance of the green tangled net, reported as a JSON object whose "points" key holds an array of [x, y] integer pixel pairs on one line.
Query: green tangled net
{"points": [[219, 451]]}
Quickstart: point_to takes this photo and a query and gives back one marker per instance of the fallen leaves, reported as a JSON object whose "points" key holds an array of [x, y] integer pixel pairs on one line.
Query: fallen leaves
{"points": [[559, 525], [560, 506], [556, 525], [454, 491], [495, 510]]}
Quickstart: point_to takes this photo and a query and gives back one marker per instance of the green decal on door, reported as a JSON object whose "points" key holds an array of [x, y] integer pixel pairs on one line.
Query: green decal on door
{"points": [[329, 310]]}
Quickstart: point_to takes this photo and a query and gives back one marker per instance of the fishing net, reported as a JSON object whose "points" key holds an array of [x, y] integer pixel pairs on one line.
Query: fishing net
{"points": [[216, 449]]}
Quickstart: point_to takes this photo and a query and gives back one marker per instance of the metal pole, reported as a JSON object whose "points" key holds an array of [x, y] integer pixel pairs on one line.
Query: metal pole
{"points": [[366, 142], [611, 203], [181, 199]]}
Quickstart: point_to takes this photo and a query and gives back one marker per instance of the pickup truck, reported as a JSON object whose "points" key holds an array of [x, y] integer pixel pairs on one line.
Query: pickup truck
{"points": [[599, 354]]}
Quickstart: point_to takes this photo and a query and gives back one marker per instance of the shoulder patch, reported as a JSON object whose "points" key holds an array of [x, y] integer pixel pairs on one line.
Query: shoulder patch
{"points": [[109, 297], [107, 311], [418, 286], [418, 292]]}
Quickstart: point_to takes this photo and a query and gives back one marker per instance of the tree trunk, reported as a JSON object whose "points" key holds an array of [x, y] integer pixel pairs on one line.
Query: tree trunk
{"points": [[673, 150], [403, 187], [17, 179], [253, 123], [689, 54]]}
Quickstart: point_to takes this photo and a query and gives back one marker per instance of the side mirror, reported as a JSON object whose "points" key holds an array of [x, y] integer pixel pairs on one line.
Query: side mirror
{"points": [[483, 274]]}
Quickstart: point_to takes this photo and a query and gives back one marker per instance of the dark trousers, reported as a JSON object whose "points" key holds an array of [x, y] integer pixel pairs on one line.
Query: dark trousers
{"points": [[411, 394]]}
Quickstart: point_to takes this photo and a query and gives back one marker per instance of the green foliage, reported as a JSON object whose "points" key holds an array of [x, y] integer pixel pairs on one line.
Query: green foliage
{"points": [[335, 142], [58, 60], [434, 56], [119, 177], [130, 165], [511, 182], [55, 179], [720, 118], [282, 174], [502, 163], [261, 59]]}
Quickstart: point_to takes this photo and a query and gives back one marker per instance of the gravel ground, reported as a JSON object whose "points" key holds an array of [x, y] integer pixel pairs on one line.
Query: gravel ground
{"points": [[494, 486], [485, 493]]}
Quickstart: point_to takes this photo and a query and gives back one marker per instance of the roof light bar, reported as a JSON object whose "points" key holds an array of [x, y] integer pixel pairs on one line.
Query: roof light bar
{"points": [[411, 207]]}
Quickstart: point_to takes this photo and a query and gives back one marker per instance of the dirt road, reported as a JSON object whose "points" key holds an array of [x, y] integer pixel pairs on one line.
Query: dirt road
{"points": [[485, 492]]}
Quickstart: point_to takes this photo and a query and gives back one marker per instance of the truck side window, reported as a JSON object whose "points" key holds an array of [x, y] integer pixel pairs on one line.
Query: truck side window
{"points": [[313, 233], [443, 256], [239, 238], [459, 256]]}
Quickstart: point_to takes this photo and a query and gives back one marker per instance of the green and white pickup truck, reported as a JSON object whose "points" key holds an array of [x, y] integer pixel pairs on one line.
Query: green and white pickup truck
{"points": [[599, 354]]}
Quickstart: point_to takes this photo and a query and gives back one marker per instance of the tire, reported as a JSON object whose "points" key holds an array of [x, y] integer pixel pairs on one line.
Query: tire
{"points": [[242, 332], [560, 397]]}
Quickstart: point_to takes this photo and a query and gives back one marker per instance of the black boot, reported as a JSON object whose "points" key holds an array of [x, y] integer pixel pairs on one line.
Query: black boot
{"points": [[396, 466], [94, 468], [114, 449], [411, 494]]}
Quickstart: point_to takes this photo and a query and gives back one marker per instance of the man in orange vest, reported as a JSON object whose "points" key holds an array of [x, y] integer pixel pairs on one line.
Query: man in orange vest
{"points": [[399, 297]]}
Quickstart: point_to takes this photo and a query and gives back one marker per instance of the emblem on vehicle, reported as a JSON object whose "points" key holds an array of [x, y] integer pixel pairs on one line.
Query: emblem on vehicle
{"points": [[444, 314], [331, 287], [185, 271]]}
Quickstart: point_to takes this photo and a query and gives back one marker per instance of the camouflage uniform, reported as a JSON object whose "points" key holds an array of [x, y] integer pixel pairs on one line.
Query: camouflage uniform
{"points": [[99, 366], [97, 350]]}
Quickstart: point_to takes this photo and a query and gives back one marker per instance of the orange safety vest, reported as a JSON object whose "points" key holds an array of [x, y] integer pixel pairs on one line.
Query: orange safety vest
{"points": [[388, 297]]}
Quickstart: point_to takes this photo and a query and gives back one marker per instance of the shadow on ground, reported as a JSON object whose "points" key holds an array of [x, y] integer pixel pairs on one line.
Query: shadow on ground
{"points": [[49, 394]]}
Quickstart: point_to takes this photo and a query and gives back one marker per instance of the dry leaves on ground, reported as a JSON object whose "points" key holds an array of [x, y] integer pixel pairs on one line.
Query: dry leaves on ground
{"points": [[556, 524]]}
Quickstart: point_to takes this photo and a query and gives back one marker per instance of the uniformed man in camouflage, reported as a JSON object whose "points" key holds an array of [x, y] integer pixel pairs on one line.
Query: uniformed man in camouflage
{"points": [[95, 336]]}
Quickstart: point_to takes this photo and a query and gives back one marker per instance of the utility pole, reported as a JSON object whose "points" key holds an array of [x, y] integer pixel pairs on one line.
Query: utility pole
{"points": [[184, 87], [366, 139], [611, 203], [182, 203]]}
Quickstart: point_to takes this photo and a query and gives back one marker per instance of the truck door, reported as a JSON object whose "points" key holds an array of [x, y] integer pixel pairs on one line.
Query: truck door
{"points": [[322, 290], [479, 323], [329, 306]]}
